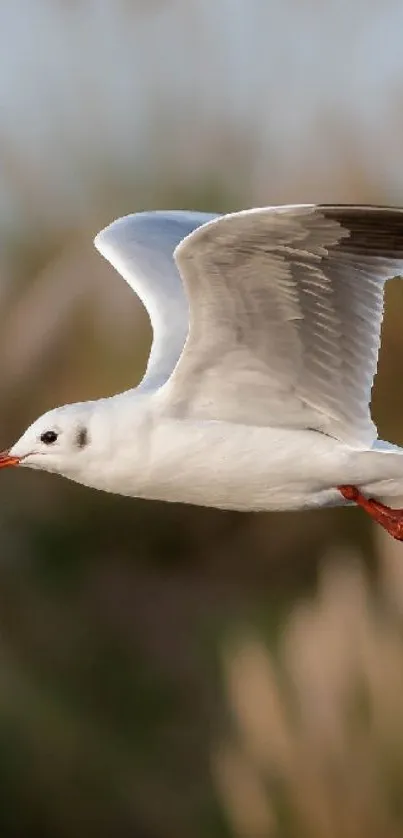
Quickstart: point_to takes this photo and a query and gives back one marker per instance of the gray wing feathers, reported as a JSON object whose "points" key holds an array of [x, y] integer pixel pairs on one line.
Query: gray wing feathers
{"points": [[141, 246], [285, 316], [279, 316]]}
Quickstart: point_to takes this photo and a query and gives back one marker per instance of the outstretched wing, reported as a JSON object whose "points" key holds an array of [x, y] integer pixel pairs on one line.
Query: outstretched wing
{"points": [[141, 247], [285, 315]]}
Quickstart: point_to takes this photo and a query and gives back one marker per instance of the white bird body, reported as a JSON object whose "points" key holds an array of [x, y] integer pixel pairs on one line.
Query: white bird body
{"points": [[192, 461], [266, 334], [151, 455]]}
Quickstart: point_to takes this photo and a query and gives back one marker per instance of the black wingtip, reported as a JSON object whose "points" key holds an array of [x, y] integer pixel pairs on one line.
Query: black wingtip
{"points": [[374, 230]]}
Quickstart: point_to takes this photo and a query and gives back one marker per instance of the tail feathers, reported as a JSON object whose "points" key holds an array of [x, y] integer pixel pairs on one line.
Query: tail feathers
{"points": [[378, 473], [383, 445]]}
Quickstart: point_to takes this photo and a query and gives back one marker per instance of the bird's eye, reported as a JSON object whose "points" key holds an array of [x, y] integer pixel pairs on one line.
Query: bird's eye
{"points": [[49, 437]]}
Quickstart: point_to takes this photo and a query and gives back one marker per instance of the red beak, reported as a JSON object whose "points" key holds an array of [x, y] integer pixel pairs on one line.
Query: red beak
{"points": [[6, 460]]}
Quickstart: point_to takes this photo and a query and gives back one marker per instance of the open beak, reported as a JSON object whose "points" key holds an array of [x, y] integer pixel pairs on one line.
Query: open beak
{"points": [[6, 460]]}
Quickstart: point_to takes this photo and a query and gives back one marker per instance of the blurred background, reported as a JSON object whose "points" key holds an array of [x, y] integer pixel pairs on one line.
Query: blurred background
{"points": [[169, 671]]}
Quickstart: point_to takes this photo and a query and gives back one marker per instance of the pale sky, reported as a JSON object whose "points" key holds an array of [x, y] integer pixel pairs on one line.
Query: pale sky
{"points": [[92, 90]]}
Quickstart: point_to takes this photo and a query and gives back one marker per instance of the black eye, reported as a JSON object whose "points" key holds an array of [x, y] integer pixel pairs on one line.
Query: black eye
{"points": [[49, 437]]}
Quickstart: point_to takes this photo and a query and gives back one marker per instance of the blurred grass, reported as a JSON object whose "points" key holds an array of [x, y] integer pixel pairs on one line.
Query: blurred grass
{"points": [[111, 609], [317, 724]]}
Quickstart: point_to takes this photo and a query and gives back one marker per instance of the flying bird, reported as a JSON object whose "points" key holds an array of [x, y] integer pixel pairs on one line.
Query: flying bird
{"points": [[266, 330]]}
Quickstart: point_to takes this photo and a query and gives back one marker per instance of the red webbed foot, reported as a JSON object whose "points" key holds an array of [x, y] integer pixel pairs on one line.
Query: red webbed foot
{"points": [[390, 519]]}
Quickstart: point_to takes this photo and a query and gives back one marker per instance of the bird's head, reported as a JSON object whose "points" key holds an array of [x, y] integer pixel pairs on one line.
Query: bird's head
{"points": [[59, 441]]}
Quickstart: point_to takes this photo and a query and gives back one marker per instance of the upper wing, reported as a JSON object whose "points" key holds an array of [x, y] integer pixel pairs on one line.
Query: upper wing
{"points": [[285, 314], [141, 247]]}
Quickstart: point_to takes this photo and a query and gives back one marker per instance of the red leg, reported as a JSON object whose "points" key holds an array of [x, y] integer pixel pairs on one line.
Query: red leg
{"points": [[390, 519]]}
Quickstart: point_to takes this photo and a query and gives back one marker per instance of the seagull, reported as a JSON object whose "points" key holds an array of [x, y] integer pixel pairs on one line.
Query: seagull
{"points": [[266, 330]]}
